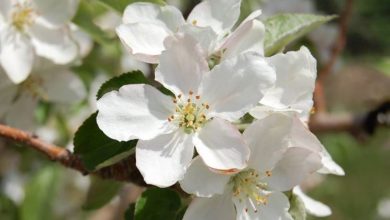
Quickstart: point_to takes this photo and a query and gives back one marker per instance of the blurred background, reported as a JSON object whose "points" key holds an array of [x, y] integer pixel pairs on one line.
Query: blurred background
{"points": [[356, 82]]}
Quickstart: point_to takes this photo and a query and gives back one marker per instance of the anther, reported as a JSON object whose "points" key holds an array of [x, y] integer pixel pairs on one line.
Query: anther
{"points": [[268, 173], [191, 92], [197, 97]]}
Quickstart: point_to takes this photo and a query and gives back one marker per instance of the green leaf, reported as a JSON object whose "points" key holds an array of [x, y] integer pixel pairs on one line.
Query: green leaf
{"points": [[39, 194], [88, 10], [8, 209], [94, 147], [100, 193], [282, 29], [120, 5], [134, 77], [157, 204], [297, 208]]}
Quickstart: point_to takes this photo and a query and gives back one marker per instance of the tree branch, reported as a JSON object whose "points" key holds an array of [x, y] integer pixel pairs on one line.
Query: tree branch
{"points": [[338, 47], [125, 170]]}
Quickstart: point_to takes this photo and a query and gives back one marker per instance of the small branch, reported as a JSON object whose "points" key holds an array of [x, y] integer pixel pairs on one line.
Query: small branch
{"points": [[326, 123], [319, 96], [123, 171]]}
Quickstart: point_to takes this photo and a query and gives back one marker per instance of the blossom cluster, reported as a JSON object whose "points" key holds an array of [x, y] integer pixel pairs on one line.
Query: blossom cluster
{"points": [[216, 76], [38, 42]]}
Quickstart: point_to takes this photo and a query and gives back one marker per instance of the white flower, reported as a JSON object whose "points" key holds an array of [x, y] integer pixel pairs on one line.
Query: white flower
{"points": [[277, 163], [145, 27], [312, 206], [168, 128], [48, 82], [293, 94], [35, 27], [296, 73]]}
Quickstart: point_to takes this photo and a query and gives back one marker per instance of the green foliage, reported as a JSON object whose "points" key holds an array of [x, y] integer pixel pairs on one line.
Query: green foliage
{"points": [[135, 77], [284, 28], [39, 195], [95, 147], [100, 192], [157, 204], [120, 5], [88, 10], [8, 210], [297, 208]]}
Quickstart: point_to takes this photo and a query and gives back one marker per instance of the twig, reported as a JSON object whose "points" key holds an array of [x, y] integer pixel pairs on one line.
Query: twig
{"points": [[319, 96], [125, 170]]}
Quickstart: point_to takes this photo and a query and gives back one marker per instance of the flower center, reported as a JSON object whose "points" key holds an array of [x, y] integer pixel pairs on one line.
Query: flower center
{"points": [[249, 186], [33, 85], [23, 16], [190, 113]]}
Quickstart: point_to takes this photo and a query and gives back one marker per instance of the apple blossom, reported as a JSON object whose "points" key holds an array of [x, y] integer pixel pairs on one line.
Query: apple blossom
{"points": [[48, 82], [292, 94], [295, 80], [35, 27], [276, 164], [199, 114], [299, 133], [145, 27]]}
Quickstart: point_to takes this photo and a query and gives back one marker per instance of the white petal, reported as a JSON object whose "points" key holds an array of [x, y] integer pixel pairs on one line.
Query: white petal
{"points": [[199, 180], [248, 37], [221, 146], [204, 35], [182, 65], [295, 78], [163, 160], [261, 111], [135, 111], [220, 15], [83, 40], [236, 85], [140, 12], [53, 44], [56, 13], [276, 209], [218, 207], [312, 206], [302, 137], [144, 40], [297, 163], [329, 165], [62, 86], [17, 55], [8, 91], [21, 113], [267, 141], [5, 9]]}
